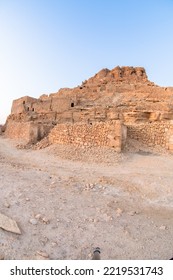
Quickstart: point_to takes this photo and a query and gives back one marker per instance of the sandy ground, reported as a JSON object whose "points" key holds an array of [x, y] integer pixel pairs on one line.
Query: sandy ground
{"points": [[67, 201]]}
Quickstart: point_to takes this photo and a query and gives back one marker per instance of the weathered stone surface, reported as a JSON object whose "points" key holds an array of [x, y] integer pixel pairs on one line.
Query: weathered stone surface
{"points": [[30, 132], [33, 221], [43, 254], [97, 134], [22, 104], [154, 133], [8, 224]]}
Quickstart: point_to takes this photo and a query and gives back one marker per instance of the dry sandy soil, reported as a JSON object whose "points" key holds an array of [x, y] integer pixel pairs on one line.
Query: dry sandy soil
{"points": [[67, 201]]}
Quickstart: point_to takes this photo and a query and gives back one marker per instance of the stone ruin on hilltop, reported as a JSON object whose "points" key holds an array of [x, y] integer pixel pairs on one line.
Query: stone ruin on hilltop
{"points": [[103, 111]]}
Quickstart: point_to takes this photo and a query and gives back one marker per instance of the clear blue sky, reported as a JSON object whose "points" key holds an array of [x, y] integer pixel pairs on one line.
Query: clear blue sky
{"points": [[49, 44]]}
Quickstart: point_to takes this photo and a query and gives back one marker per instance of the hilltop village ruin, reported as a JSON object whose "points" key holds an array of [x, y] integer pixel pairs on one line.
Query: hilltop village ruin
{"points": [[104, 111]]}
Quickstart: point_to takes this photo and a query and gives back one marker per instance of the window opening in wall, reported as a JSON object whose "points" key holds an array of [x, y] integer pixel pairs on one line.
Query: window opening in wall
{"points": [[33, 109], [24, 102], [72, 104], [27, 108]]}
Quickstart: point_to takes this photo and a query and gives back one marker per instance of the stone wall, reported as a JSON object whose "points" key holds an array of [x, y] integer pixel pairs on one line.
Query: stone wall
{"points": [[27, 132], [111, 134], [156, 134], [60, 105], [22, 104], [42, 106]]}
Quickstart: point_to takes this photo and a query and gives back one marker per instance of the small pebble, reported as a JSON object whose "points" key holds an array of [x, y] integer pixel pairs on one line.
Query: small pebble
{"points": [[38, 216], [45, 220], [53, 182], [119, 212], [33, 221], [43, 254], [162, 227], [132, 213], [7, 205]]}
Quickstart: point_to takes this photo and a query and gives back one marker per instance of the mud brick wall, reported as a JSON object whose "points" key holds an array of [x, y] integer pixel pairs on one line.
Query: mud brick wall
{"points": [[28, 132], [153, 134], [42, 106], [97, 134], [25, 131], [60, 105], [22, 104]]}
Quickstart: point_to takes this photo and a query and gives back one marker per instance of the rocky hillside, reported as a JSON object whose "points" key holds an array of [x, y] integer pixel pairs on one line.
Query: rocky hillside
{"points": [[123, 93], [126, 89]]}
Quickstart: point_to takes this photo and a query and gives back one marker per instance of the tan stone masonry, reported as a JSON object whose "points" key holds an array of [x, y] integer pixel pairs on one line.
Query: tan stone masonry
{"points": [[153, 134], [28, 132], [111, 134]]}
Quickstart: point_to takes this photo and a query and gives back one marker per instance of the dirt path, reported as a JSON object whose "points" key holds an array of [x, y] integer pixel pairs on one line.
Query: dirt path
{"points": [[66, 207]]}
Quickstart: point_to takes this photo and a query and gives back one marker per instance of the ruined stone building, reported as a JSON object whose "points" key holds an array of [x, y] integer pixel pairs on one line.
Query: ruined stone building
{"points": [[103, 111]]}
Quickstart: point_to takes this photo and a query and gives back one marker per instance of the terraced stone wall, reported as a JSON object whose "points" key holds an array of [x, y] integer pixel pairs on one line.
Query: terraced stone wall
{"points": [[110, 133], [156, 134]]}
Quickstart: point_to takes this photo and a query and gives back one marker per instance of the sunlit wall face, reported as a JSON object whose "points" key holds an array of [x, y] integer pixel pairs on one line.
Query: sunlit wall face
{"points": [[46, 45]]}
